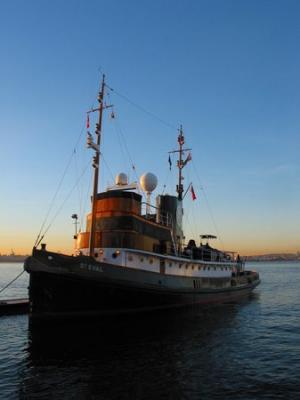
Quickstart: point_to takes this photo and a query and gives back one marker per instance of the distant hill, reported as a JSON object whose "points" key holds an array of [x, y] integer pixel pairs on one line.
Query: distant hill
{"points": [[274, 257], [12, 258]]}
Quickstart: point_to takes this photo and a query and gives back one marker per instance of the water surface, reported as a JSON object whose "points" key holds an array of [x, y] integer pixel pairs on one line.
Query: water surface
{"points": [[249, 350]]}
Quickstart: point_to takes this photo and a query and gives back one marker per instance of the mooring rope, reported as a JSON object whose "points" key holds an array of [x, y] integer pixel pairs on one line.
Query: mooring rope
{"points": [[6, 286]]}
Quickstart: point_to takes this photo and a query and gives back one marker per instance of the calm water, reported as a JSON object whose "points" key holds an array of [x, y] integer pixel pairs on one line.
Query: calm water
{"points": [[243, 351]]}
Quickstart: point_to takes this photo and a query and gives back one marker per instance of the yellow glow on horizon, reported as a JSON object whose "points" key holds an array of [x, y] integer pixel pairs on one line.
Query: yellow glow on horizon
{"points": [[23, 246]]}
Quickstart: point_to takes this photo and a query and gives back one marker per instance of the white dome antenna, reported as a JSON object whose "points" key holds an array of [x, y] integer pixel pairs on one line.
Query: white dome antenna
{"points": [[121, 179], [148, 182]]}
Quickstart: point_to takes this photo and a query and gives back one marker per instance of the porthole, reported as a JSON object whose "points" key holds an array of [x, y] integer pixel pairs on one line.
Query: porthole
{"points": [[192, 267], [179, 265], [150, 261], [199, 267], [208, 268], [186, 266], [170, 264], [142, 259], [130, 258]]}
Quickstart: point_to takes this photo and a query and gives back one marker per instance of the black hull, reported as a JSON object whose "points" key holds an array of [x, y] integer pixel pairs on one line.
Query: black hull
{"points": [[62, 290]]}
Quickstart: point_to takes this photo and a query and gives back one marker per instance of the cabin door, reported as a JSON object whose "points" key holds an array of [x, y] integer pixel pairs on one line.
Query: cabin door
{"points": [[162, 267]]}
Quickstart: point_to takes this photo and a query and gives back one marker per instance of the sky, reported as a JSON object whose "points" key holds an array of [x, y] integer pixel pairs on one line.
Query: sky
{"points": [[228, 71]]}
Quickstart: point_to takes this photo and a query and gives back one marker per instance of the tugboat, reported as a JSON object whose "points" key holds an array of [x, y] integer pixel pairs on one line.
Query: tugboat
{"points": [[133, 258]]}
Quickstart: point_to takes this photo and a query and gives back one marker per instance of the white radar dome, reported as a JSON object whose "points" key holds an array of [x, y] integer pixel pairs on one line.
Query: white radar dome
{"points": [[148, 182], [121, 179]]}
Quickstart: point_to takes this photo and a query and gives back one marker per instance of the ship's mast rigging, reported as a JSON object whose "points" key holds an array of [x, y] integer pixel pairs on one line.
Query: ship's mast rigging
{"points": [[180, 163], [96, 161]]}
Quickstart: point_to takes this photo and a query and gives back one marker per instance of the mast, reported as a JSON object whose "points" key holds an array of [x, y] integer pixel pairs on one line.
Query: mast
{"points": [[179, 187], [181, 163], [96, 160]]}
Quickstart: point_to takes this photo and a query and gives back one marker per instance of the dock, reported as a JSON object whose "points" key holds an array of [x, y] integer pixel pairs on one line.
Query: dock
{"points": [[14, 306]]}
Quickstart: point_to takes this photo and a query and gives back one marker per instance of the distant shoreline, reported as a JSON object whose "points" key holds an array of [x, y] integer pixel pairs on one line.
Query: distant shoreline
{"points": [[12, 259], [272, 260], [273, 257]]}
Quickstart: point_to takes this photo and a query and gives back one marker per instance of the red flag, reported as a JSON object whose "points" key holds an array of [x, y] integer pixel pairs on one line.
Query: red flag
{"points": [[193, 193], [88, 121]]}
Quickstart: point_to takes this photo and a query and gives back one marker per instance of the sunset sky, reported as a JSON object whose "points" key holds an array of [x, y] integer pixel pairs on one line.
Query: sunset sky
{"points": [[228, 71]]}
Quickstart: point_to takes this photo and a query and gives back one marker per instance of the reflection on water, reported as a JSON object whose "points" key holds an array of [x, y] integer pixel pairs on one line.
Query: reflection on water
{"points": [[247, 350], [137, 357]]}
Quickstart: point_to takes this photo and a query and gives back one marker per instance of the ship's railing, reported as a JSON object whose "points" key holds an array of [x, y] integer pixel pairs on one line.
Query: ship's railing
{"points": [[155, 216], [209, 254]]}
